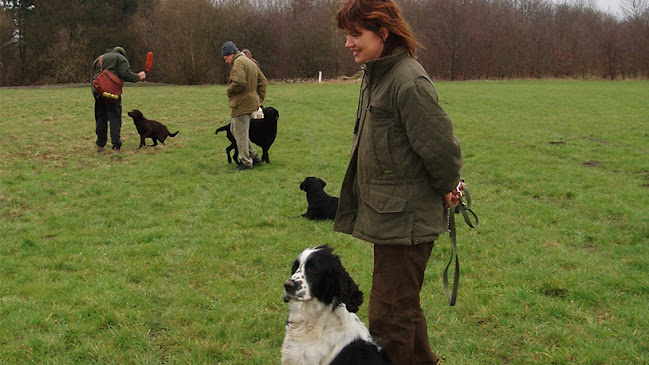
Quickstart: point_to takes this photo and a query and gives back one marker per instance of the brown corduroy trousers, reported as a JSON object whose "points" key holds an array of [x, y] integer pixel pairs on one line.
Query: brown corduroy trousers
{"points": [[395, 315]]}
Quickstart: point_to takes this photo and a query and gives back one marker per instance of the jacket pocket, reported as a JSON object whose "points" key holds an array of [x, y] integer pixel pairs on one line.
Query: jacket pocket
{"points": [[382, 216], [383, 203], [381, 120], [379, 113]]}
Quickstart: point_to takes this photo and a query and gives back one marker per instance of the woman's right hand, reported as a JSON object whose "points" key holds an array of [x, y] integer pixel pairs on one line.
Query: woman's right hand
{"points": [[448, 199]]}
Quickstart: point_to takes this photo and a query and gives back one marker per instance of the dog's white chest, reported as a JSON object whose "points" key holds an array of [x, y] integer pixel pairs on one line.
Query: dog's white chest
{"points": [[317, 338]]}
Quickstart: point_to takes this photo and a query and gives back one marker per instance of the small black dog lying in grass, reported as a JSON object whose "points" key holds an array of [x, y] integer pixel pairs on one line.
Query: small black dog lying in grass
{"points": [[262, 133], [149, 128], [321, 205]]}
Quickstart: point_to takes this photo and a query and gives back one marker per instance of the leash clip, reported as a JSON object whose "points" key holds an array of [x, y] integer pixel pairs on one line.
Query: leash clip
{"points": [[458, 193]]}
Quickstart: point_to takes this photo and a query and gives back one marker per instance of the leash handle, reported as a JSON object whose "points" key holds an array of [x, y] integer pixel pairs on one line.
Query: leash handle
{"points": [[452, 296], [458, 206]]}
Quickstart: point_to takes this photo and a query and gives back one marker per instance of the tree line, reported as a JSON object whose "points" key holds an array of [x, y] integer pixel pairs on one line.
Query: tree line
{"points": [[55, 41]]}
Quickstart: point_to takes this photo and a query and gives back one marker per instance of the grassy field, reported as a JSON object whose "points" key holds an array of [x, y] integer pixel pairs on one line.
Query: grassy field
{"points": [[168, 256]]}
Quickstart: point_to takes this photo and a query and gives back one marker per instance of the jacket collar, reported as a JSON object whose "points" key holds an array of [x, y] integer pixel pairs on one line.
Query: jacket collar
{"points": [[236, 55], [376, 68]]}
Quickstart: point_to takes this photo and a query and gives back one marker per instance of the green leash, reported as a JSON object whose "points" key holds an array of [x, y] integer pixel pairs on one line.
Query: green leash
{"points": [[464, 208]]}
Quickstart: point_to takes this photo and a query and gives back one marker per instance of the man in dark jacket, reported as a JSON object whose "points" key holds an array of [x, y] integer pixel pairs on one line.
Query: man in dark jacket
{"points": [[111, 110]]}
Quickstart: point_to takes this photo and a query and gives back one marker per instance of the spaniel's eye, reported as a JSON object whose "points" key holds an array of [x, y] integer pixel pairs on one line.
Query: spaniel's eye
{"points": [[312, 270]]}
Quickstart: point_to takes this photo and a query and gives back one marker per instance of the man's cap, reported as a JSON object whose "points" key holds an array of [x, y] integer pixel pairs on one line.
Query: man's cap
{"points": [[120, 50], [229, 48]]}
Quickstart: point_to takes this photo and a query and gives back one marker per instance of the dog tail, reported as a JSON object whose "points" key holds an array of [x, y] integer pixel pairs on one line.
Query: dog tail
{"points": [[224, 128], [173, 134]]}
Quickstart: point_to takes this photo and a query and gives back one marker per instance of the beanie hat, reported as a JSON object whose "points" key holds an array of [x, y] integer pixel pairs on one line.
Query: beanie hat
{"points": [[229, 48], [120, 50]]}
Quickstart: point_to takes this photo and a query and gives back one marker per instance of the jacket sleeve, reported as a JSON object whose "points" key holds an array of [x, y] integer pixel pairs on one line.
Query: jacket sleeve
{"points": [[237, 82], [124, 71], [430, 133], [261, 86], [95, 70]]}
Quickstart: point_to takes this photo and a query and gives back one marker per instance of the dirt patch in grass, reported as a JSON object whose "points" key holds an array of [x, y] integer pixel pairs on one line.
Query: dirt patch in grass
{"points": [[592, 163]]}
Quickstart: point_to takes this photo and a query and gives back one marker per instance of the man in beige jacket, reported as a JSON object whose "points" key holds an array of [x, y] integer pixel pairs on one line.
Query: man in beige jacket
{"points": [[246, 92]]}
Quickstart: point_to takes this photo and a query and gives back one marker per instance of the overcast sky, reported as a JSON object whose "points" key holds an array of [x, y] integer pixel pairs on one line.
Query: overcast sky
{"points": [[611, 6]]}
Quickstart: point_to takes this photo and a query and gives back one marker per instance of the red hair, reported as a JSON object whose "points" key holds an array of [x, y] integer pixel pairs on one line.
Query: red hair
{"points": [[374, 15]]}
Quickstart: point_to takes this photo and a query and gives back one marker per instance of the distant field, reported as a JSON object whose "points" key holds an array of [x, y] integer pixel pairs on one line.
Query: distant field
{"points": [[166, 255]]}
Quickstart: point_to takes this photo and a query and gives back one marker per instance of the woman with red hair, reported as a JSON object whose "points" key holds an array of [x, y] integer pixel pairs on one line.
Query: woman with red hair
{"points": [[404, 164]]}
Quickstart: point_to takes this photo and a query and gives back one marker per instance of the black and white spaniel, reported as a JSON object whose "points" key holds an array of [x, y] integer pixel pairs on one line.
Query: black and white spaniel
{"points": [[322, 328]]}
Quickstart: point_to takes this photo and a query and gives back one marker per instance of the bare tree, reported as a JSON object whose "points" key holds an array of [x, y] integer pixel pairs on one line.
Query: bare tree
{"points": [[313, 36], [634, 9], [8, 47], [636, 14], [179, 33], [462, 39], [20, 12], [71, 46]]}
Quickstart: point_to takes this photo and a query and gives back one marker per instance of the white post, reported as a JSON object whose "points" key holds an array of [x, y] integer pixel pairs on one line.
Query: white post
{"points": [[319, 76]]}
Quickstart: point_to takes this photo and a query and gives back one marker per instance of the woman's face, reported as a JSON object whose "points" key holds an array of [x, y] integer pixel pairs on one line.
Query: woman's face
{"points": [[365, 45]]}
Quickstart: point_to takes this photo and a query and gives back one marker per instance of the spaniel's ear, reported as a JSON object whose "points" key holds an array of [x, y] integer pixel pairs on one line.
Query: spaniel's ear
{"points": [[349, 292], [326, 249]]}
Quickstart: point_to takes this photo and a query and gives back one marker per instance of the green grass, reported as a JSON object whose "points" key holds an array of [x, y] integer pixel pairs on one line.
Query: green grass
{"points": [[166, 255]]}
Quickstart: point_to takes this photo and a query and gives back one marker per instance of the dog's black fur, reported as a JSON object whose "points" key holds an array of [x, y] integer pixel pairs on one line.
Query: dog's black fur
{"points": [[262, 133], [321, 204], [148, 128], [361, 352]]}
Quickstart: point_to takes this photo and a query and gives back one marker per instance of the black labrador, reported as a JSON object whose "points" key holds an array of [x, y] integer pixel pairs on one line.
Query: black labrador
{"points": [[262, 133], [150, 128], [321, 204]]}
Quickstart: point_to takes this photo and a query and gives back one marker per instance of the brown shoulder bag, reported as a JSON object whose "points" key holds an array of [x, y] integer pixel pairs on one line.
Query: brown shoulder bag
{"points": [[107, 84]]}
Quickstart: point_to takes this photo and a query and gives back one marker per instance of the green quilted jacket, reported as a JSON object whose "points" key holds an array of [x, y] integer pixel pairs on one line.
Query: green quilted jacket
{"points": [[404, 158]]}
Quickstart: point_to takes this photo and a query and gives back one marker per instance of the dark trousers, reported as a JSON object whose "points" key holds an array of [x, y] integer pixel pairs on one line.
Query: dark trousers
{"points": [[395, 315], [108, 112]]}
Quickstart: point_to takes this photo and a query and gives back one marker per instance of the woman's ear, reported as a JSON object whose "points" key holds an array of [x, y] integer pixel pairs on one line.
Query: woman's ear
{"points": [[384, 33]]}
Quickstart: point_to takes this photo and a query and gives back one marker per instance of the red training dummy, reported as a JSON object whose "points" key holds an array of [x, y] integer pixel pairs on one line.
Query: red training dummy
{"points": [[149, 61]]}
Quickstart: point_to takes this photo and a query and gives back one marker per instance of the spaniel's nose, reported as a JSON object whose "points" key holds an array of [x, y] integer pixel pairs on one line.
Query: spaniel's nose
{"points": [[289, 285]]}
